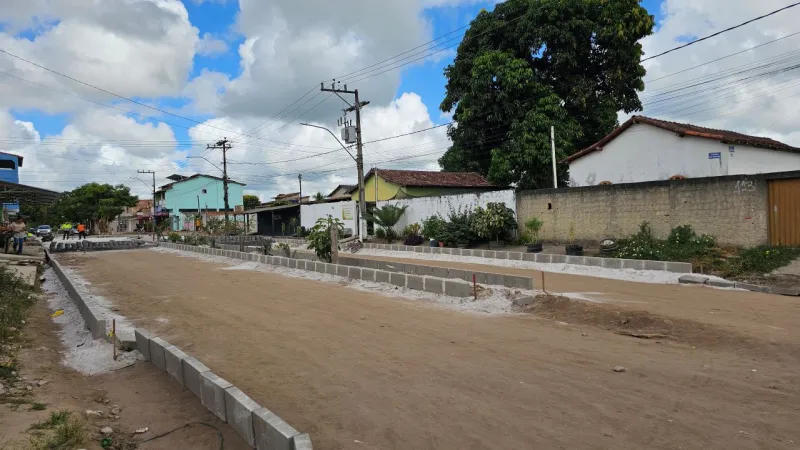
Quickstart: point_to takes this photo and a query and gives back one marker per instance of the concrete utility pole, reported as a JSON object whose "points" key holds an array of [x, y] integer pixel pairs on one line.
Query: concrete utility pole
{"points": [[362, 206], [553, 152], [153, 212], [225, 146], [300, 201]]}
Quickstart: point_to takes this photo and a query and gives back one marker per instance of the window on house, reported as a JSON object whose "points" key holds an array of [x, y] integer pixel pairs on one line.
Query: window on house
{"points": [[7, 164], [204, 191]]}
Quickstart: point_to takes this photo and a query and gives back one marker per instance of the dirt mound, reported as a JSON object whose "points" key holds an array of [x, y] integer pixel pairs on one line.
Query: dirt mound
{"points": [[648, 325]]}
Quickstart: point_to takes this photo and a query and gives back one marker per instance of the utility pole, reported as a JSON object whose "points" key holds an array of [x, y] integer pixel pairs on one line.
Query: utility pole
{"points": [[225, 146], [362, 206], [553, 154], [300, 201], [153, 212]]}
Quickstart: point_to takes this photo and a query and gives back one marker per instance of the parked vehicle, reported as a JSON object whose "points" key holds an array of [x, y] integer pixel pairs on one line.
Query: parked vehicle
{"points": [[42, 230]]}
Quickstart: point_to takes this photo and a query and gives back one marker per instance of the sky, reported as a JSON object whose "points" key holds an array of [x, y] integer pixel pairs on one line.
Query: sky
{"points": [[146, 84]]}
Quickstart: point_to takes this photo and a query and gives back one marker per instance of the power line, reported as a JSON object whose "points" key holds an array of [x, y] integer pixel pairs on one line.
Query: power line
{"points": [[722, 31]]}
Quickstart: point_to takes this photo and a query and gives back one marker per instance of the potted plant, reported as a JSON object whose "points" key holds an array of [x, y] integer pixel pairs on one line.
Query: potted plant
{"points": [[534, 226], [572, 248], [494, 222], [433, 228]]}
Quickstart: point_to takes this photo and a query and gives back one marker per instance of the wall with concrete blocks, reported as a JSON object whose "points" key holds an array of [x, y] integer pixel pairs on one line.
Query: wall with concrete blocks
{"points": [[487, 278], [95, 319], [87, 245], [258, 426], [451, 287], [611, 263]]}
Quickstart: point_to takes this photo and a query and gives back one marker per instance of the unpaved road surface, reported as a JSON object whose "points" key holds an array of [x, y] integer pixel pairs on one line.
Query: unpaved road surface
{"points": [[360, 370]]}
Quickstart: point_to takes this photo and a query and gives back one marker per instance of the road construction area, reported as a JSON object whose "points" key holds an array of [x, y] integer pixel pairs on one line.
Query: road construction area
{"points": [[626, 366]]}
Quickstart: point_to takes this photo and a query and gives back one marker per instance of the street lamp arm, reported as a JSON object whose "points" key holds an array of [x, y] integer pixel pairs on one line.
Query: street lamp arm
{"points": [[202, 157], [334, 136], [148, 186]]}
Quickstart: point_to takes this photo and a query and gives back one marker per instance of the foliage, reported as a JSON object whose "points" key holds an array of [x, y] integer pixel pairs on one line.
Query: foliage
{"points": [[318, 197], [387, 217], [250, 201], [319, 237], [433, 227], [528, 65], [285, 249], [683, 244], [459, 228], [16, 299], [763, 259], [571, 232], [380, 233], [413, 239], [196, 239], [293, 224], [411, 229], [266, 246], [174, 237], [496, 221], [533, 226], [91, 203], [220, 227]]}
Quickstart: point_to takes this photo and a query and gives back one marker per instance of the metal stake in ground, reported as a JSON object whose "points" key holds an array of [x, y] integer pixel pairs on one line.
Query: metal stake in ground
{"points": [[543, 289], [474, 287]]}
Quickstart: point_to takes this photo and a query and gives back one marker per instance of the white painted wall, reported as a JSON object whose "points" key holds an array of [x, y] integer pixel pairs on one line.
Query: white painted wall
{"points": [[647, 153], [424, 207], [344, 211]]}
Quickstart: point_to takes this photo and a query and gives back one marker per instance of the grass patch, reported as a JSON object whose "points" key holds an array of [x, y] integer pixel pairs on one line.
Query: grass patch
{"points": [[38, 406], [16, 300], [684, 245], [69, 434], [57, 418]]}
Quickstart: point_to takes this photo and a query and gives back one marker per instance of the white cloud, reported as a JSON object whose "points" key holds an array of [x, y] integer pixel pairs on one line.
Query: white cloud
{"points": [[764, 104], [210, 46]]}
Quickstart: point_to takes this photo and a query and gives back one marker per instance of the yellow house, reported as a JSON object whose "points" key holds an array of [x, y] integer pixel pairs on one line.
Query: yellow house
{"points": [[396, 184]]}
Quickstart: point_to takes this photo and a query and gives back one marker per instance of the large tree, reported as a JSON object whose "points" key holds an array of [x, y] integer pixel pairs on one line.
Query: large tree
{"points": [[93, 202], [251, 201], [530, 64]]}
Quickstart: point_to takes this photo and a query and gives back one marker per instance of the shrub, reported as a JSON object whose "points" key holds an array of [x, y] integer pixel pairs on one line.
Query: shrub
{"points": [[496, 221], [380, 233], [433, 226], [413, 239], [459, 228], [319, 238], [760, 260], [533, 226], [412, 229], [387, 217], [174, 237]]}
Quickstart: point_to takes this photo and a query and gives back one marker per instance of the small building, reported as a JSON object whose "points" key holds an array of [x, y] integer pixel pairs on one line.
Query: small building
{"points": [[398, 184], [285, 199], [9, 173], [646, 149], [342, 192], [186, 198], [136, 217]]}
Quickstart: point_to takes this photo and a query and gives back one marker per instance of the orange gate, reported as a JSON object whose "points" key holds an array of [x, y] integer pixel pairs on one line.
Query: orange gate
{"points": [[784, 212]]}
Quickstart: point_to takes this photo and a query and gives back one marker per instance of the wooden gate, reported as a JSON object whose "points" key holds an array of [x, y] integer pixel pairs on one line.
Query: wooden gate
{"points": [[784, 212]]}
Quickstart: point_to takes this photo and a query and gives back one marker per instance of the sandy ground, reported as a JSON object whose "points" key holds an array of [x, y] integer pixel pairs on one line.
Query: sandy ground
{"points": [[361, 370], [146, 397]]}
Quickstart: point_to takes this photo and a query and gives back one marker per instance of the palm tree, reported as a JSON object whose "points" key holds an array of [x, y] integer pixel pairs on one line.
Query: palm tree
{"points": [[318, 197], [387, 217]]}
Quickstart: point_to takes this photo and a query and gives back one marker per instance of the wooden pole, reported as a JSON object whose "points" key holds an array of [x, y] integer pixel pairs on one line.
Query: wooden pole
{"points": [[543, 289], [474, 287], [114, 337], [334, 244]]}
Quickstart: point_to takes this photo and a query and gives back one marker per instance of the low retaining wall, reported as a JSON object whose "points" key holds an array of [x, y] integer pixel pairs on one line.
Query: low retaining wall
{"points": [[86, 245], [700, 279], [436, 285], [258, 426], [611, 263]]}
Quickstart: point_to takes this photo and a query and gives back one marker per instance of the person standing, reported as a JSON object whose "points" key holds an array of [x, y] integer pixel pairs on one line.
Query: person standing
{"points": [[65, 230], [20, 232], [81, 231]]}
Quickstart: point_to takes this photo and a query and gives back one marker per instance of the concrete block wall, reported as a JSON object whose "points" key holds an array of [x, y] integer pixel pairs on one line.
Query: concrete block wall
{"points": [[258, 426], [88, 245], [415, 271], [398, 278], [611, 263], [96, 320]]}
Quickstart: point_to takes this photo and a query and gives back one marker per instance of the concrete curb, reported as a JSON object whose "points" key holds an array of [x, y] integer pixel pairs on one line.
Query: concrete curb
{"points": [[398, 278], [88, 245], [96, 321], [258, 426], [699, 279], [615, 263]]}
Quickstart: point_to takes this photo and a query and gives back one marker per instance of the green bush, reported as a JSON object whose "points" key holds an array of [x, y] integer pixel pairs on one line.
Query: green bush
{"points": [[532, 228], [174, 237], [763, 259], [432, 227], [319, 237], [380, 233], [494, 222], [459, 228]]}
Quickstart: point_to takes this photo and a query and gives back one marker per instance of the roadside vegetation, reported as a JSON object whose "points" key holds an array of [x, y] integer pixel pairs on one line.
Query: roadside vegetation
{"points": [[684, 245], [16, 301]]}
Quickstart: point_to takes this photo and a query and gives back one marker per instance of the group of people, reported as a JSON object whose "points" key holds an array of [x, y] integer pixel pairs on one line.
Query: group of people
{"points": [[66, 230]]}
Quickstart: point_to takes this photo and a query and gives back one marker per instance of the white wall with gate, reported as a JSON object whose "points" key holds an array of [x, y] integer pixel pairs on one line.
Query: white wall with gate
{"points": [[344, 211], [423, 207]]}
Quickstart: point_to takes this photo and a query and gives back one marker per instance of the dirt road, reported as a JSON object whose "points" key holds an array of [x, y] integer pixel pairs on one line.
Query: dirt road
{"points": [[358, 370]]}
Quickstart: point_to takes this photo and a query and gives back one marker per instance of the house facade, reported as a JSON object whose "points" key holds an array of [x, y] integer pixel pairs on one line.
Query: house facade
{"points": [[384, 185], [186, 198], [645, 149], [9, 172], [136, 217]]}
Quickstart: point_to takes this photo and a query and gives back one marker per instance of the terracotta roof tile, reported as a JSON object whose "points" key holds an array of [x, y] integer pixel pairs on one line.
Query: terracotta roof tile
{"points": [[419, 178], [686, 129]]}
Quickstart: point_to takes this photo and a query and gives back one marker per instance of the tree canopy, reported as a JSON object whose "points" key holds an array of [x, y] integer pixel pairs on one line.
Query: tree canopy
{"points": [[92, 202], [532, 64], [250, 201]]}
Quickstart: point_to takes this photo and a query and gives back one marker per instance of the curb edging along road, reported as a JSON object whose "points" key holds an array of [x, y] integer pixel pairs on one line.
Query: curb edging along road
{"points": [[258, 426], [701, 280], [482, 278], [610, 263], [452, 286]]}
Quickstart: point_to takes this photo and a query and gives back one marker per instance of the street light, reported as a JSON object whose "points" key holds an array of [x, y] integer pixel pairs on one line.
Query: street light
{"points": [[202, 157], [362, 208]]}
